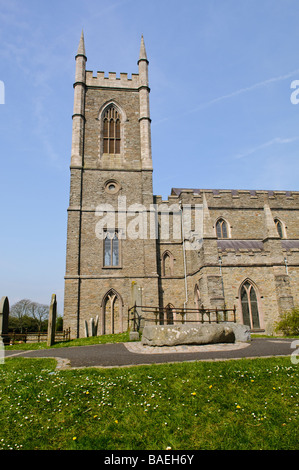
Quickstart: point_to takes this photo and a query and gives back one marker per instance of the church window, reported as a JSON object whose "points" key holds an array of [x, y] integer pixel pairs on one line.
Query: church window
{"points": [[280, 228], [112, 186], [111, 131], [250, 307], [221, 229], [111, 248]]}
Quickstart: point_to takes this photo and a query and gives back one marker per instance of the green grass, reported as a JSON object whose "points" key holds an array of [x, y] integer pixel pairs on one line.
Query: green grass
{"points": [[241, 404], [115, 338]]}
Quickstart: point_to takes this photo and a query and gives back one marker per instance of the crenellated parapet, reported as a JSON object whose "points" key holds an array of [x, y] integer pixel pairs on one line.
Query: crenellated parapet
{"points": [[123, 81], [240, 197]]}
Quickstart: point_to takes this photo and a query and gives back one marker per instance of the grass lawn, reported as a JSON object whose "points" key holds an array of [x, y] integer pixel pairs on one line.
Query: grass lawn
{"points": [[241, 404], [115, 338]]}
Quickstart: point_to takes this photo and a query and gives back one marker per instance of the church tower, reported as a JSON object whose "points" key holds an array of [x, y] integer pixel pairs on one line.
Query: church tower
{"points": [[110, 182]]}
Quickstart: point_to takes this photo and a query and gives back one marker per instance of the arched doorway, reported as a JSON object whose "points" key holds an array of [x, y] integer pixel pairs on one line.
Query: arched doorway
{"points": [[250, 305], [112, 313]]}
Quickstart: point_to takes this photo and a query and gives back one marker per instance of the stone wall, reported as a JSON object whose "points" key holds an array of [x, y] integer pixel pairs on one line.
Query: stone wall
{"points": [[212, 272]]}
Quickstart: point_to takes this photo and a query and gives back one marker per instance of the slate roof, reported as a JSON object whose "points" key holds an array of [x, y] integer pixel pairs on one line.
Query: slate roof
{"points": [[240, 244]]}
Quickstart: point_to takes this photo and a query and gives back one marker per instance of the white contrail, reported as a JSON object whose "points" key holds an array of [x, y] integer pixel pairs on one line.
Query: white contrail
{"points": [[233, 94], [276, 140]]}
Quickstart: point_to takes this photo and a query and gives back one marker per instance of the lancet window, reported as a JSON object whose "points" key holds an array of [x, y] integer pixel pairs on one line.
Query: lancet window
{"points": [[111, 131]]}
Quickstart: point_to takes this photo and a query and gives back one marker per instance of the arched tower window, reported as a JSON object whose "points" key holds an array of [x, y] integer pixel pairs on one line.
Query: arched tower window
{"points": [[111, 248], [280, 228], [250, 306], [111, 130], [221, 228]]}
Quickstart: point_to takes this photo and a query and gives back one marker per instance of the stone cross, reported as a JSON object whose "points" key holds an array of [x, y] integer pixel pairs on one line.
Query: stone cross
{"points": [[4, 313], [52, 321]]}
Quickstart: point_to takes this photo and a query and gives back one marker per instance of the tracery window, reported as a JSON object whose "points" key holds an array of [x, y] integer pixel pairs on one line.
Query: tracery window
{"points": [[250, 307], [111, 131], [111, 248], [221, 228]]}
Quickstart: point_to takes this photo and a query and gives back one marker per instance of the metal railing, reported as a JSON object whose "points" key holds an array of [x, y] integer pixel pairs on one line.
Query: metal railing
{"points": [[138, 315], [34, 337]]}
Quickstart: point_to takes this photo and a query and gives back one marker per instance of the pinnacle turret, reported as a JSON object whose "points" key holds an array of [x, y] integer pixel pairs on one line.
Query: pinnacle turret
{"points": [[81, 47], [142, 55]]}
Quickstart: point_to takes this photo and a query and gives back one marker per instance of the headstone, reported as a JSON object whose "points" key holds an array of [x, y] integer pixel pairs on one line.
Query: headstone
{"points": [[96, 326], [86, 329], [52, 321], [4, 314], [91, 321]]}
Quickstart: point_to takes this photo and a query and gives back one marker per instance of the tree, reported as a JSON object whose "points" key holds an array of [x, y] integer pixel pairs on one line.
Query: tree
{"points": [[39, 312], [18, 312], [26, 314], [289, 323]]}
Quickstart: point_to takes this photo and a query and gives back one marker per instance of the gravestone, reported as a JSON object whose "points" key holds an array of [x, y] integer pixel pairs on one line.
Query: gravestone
{"points": [[94, 323], [4, 314], [86, 329], [52, 321], [94, 326]]}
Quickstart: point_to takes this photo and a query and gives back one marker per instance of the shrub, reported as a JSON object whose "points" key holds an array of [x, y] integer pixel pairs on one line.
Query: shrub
{"points": [[289, 323]]}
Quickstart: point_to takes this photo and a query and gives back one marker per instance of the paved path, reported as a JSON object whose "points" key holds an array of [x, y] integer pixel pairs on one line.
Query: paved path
{"points": [[129, 354]]}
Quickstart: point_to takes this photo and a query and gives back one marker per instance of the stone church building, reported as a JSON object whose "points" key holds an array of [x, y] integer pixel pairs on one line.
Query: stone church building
{"points": [[200, 249]]}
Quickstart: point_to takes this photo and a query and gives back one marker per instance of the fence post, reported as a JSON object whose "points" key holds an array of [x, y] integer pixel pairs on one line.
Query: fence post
{"points": [[234, 314], [216, 311], [225, 314]]}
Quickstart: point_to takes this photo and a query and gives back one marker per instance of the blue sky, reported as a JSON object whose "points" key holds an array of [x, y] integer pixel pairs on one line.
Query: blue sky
{"points": [[220, 77]]}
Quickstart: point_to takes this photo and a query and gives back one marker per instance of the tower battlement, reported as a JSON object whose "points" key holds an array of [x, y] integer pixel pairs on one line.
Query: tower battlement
{"points": [[251, 197], [112, 80]]}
